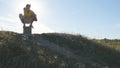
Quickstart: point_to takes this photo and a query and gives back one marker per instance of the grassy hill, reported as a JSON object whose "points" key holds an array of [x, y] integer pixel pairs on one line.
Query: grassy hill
{"points": [[56, 50]]}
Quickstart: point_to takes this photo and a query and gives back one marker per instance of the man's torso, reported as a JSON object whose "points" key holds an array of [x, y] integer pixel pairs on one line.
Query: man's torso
{"points": [[28, 13]]}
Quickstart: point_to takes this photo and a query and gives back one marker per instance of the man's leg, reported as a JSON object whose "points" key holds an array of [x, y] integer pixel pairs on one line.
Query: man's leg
{"points": [[31, 22], [22, 18]]}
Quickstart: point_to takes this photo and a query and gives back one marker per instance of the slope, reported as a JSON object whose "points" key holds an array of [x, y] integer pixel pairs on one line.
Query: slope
{"points": [[54, 50]]}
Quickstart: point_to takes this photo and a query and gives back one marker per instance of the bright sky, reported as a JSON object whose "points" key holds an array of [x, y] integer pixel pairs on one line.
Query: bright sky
{"points": [[91, 18]]}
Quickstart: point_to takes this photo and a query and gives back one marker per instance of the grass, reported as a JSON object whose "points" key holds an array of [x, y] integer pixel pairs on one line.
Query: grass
{"points": [[86, 47], [17, 51]]}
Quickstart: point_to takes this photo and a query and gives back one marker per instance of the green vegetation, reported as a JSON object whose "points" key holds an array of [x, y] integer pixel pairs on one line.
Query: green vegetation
{"points": [[87, 47], [113, 43], [20, 51]]}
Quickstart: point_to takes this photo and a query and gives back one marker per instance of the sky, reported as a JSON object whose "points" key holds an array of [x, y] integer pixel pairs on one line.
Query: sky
{"points": [[90, 18]]}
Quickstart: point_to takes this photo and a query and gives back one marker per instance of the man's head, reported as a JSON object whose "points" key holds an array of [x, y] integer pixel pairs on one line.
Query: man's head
{"points": [[28, 6]]}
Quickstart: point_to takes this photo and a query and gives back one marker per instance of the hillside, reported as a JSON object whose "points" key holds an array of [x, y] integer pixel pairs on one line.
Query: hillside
{"points": [[55, 50]]}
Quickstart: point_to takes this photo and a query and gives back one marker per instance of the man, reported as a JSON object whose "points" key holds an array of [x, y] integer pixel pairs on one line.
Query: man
{"points": [[28, 17]]}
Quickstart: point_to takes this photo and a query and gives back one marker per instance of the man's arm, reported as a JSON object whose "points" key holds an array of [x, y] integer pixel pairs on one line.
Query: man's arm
{"points": [[34, 15]]}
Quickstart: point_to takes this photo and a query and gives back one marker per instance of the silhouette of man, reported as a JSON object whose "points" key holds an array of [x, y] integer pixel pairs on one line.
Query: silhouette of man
{"points": [[28, 17]]}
